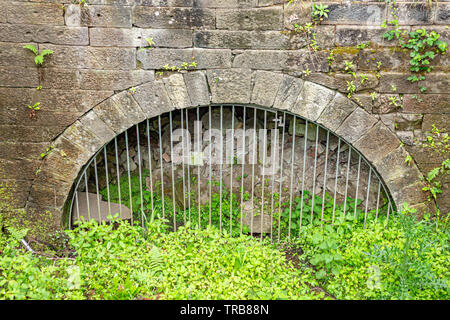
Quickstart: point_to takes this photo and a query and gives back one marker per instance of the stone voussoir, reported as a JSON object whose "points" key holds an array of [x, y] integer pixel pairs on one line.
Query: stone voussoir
{"points": [[336, 112], [177, 91], [288, 92], [377, 142], [197, 86], [153, 98], [230, 85], [312, 100], [266, 87], [355, 125]]}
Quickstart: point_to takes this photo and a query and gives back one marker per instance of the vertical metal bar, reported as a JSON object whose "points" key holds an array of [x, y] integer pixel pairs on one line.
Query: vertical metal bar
{"points": [[325, 175], [242, 174], [292, 176], [346, 179], [161, 165], [107, 179], [367, 197], [387, 216], [199, 150], [357, 184], [303, 175], [254, 144], [118, 178], [188, 165], [129, 176], [182, 166], [173, 177], [231, 170], [210, 165], [140, 174], [314, 174], [87, 195], [78, 206], [263, 172], [281, 176], [336, 177], [96, 189], [378, 200], [221, 161], [150, 164], [273, 157], [389, 202]]}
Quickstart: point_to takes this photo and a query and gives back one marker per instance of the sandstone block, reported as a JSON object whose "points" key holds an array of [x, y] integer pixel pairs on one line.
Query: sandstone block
{"points": [[173, 18], [177, 91], [204, 58], [197, 88], [44, 33], [90, 58], [356, 13], [153, 98], [266, 88], [376, 143], [230, 86], [356, 124], [98, 15], [336, 112], [312, 100], [19, 77], [288, 92], [119, 37], [113, 79], [229, 39], [250, 19], [35, 13], [91, 121]]}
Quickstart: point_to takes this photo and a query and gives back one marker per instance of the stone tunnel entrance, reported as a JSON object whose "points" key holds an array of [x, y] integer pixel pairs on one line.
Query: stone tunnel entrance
{"points": [[243, 168]]}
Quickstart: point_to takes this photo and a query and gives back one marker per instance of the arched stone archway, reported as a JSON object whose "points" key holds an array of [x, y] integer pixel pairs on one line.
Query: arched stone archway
{"points": [[79, 142]]}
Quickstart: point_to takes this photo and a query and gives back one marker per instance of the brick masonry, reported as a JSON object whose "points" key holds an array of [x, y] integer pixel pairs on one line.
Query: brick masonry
{"points": [[99, 51]]}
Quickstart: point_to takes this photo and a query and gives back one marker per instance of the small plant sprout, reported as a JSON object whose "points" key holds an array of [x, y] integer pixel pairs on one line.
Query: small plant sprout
{"points": [[132, 90], [373, 95], [351, 88], [393, 101], [150, 42], [38, 88], [319, 12], [393, 87], [306, 72], [363, 78], [408, 160], [363, 45], [47, 152], [39, 57], [33, 108]]}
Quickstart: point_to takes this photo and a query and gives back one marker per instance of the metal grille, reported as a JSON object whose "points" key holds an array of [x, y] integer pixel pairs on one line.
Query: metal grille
{"points": [[242, 168]]}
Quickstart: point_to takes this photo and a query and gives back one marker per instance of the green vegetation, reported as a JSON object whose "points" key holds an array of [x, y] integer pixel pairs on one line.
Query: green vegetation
{"points": [[344, 254], [39, 57]]}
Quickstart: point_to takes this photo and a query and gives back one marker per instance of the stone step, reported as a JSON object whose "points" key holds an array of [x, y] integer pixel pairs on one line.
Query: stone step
{"points": [[98, 209]]}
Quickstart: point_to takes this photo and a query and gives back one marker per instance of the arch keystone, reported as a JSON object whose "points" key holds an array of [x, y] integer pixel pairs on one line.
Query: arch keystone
{"points": [[230, 85]]}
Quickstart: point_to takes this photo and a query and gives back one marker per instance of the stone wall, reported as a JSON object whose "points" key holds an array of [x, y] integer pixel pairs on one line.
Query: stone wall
{"points": [[99, 50]]}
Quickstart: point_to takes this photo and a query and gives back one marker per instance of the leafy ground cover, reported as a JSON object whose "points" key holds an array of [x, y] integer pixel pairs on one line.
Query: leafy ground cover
{"points": [[348, 259]]}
